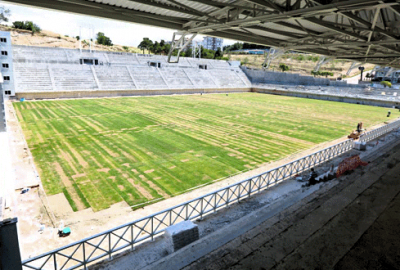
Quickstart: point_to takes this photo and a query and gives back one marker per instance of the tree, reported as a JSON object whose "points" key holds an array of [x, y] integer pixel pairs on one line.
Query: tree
{"points": [[322, 73], [27, 25], [218, 54], [189, 52], [284, 67], [78, 38], [156, 48], [103, 40], [146, 44], [4, 14]]}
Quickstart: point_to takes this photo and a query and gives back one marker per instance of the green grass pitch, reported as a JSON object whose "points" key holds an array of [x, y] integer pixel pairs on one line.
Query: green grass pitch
{"points": [[139, 149]]}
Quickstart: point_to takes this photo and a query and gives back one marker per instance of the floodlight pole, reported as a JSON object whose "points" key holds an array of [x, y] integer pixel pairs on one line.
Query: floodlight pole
{"points": [[179, 44]]}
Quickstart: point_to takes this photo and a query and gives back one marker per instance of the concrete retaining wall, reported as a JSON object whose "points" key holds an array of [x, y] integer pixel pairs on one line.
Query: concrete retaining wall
{"points": [[119, 93], [262, 76], [354, 100]]}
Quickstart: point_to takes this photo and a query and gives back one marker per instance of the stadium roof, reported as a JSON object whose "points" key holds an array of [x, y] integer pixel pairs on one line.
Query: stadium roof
{"points": [[359, 30]]}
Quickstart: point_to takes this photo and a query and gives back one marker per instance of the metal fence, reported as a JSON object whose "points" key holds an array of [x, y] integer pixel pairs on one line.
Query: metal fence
{"points": [[373, 134], [106, 244]]}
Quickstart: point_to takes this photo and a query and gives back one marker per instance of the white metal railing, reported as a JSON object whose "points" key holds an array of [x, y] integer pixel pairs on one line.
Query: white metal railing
{"points": [[375, 133], [86, 251]]}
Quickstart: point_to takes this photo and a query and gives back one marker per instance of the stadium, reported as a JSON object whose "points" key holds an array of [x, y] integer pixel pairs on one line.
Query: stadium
{"points": [[170, 162]]}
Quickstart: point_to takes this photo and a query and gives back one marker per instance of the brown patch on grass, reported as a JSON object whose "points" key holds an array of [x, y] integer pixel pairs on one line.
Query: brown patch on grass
{"points": [[225, 144], [185, 160], [77, 155], [126, 165], [121, 187], [231, 154], [69, 160], [84, 182], [125, 175], [64, 178], [19, 115], [248, 166], [103, 170], [198, 155], [172, 167], [141, 189], [112, 178], [157, 178], [111, 153], [134, 170], [95, 161], [40, 138], [149, 171], [214, 156], [74, 196], [266, 155], [156, 188], [79, 175], [90, 124], [206, 177]]}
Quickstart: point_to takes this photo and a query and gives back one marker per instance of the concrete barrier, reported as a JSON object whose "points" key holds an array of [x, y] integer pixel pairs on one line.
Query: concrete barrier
{"points": [[265, 76], [120, 93], [326, 96]]}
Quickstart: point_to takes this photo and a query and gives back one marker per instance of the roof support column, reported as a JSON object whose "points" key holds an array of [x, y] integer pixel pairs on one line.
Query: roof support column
{"points": [[353, 66], [322, 62], [273, 53]]}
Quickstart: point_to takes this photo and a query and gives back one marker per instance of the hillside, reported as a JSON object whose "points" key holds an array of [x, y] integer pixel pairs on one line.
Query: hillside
{"points": [[51, 39], [298, 63]]}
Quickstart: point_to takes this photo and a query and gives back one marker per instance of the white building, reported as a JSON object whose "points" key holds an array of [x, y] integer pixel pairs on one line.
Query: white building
{"points": [[212, 43], [383, 75]]}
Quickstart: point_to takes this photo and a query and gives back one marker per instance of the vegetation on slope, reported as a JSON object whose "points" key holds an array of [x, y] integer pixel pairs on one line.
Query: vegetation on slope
{"points": [[49, 39], [298, 63]]}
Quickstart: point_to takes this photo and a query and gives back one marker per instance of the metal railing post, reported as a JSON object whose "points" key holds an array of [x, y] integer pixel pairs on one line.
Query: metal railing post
{"points": [[109, 246], [84, 256]]}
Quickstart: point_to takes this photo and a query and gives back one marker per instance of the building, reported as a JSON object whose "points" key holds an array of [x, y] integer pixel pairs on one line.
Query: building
{"points": [[212, 43], [386, 74], [6, 76]]}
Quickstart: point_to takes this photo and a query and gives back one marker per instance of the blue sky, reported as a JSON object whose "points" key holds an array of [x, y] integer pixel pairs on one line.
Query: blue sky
{"points": [[69, 24]]}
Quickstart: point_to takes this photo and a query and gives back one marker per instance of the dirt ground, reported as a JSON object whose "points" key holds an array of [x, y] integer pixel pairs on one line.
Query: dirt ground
{"points": [[49, 39], [301, 67], [34, 209]]}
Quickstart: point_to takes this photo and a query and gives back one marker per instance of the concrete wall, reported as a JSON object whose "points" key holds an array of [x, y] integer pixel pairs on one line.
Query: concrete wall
{"points": [[119, 93], [270, 77], [324, 96]]}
